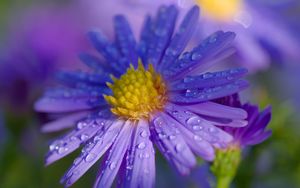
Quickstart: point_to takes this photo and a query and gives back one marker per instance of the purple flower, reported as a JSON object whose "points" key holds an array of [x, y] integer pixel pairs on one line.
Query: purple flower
{"points": [[262, 35], [255, 132], [144, 93]]}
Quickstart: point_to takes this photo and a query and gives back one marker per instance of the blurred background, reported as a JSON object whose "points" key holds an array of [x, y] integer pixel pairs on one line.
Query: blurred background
{"points": [[38, 37]]}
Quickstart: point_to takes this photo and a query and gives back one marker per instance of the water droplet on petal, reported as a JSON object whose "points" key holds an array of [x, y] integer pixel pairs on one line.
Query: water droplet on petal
{"points": [[179, 148], [197, 138], [90, 157], [194, 120], [141, 145], [171, 137], [144, 134], [112, 165], [84, 137]]}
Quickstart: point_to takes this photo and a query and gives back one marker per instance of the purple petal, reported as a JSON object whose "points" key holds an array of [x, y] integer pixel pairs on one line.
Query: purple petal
{"points": [[61, 105], [217, 110], [257, 139], [199, 126], [92, 152], [162, 33], [108, 50], [70, 142], [198, 145], [172, 141], [140, 162], [64, 122], [181, 38], [201, 57], [209, 79], [125, 39], [115, 157], [190, 96]]}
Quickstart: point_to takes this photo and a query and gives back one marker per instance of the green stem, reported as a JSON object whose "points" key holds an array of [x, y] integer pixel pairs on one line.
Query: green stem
{"points": [[223, 182]]}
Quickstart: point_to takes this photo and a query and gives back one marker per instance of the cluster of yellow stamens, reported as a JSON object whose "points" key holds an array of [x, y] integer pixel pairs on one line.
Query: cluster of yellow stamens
{"points": [[137, 93], [220, 9]]}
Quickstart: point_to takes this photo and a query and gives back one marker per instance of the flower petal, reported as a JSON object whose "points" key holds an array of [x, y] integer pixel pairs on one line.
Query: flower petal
{"points": [[109, 51], [140, 163], [115, 157], [201, 57], [209, 79], [64, 122], [192, 96], [92, 152], [199, 126], [162, 33], [181, 38], [125, 39], [70, 142], [172, 141]]}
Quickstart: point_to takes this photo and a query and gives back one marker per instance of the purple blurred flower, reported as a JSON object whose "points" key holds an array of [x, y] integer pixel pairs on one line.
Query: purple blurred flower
{"points": [[262, 35], [255, 132], [144, 93], [40, 39]]}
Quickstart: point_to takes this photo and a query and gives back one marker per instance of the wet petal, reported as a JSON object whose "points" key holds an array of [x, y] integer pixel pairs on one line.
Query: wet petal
{"points": [[162, 33], [190, 96], [199, 126], [201, 57], [209, 79], [125, 39], [94, 149], [140, 161], [115, 157], [64, 122], [172, 141], [181, 38], [70, 142]]}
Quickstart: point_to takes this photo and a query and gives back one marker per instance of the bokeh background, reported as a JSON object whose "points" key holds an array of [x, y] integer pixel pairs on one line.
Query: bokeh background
{"points": [[38, 37]]}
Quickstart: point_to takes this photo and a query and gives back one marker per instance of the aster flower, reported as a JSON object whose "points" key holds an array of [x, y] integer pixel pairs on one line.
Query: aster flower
{"points": [[227, 160], [144, 93], [262, 34]]}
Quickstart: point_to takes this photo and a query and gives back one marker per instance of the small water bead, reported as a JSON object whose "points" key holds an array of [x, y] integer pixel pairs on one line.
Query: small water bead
{"points": [[197, 138], [76, 161], [197, 128], [179, 148], [84, 137], [112, 165], [90, 157], [196, 55], [194, 120], [144, 134], [97, 139], [81, 125], [171, 137], [141, 145], [62, 149]]}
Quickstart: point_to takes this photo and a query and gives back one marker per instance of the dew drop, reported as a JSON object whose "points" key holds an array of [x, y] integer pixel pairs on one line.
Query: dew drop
{"points": [[179, 148], [171, 137], [84, 137], [196, 56], [194, 120], [141, 145], [90, 157], [197, 138], [112, 165], [144, 134]]}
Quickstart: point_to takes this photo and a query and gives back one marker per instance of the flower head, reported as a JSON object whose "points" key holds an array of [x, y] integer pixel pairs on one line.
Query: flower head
{"points": [[255, 132], [141, 94]]}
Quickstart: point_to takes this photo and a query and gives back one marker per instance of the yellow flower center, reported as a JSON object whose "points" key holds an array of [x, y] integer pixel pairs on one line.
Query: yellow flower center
{"points": [[137, 93], [220, 9]]}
